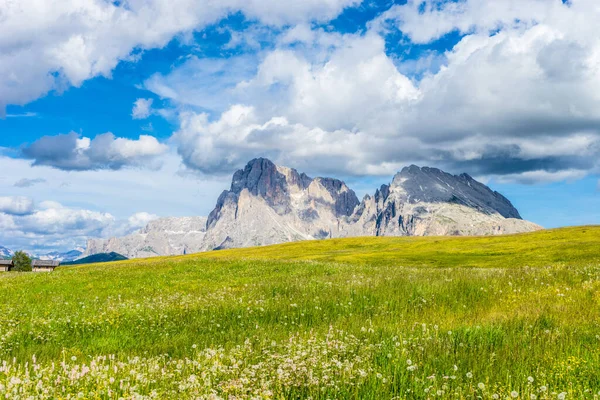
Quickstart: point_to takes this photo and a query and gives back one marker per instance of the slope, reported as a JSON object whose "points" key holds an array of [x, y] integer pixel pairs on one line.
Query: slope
{"points": [[329, 319]]}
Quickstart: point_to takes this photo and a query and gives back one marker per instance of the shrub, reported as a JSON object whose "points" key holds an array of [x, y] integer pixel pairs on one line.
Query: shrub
{"points": [[21, 261]]}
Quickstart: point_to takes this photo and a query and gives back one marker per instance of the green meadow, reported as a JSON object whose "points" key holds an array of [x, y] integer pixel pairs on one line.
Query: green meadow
{"points": [[363, 318]]}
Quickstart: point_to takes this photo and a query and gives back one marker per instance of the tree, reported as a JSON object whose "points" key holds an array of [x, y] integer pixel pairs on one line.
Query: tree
{"points": [[21, 261]]}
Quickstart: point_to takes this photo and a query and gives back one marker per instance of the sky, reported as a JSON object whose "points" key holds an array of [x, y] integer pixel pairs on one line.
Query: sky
{"points": [[114, 113]]}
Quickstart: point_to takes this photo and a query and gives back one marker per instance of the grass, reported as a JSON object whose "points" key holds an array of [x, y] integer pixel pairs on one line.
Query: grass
{"points": [[408, 318]]}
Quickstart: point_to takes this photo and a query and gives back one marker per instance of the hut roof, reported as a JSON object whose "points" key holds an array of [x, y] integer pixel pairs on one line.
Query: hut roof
{"points": [[6, 262], [45, 263]]}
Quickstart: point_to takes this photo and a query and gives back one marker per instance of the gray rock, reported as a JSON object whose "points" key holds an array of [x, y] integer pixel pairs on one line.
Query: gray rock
{"points": [[431, 185]]}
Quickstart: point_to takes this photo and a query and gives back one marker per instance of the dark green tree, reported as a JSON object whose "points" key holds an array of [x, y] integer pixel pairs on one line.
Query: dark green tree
{"points": [[21, 261]]}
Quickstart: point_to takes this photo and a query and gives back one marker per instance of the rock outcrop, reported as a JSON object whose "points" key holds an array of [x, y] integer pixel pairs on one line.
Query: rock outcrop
{"points": [[269, 204]]}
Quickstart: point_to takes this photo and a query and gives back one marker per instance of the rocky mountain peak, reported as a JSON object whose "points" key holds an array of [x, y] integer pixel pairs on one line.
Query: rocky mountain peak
{"points": [[431, 185], [269, 204]]}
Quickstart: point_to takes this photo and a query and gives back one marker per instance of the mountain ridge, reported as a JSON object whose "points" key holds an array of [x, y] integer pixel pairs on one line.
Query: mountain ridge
{"points": [[269, 204]]}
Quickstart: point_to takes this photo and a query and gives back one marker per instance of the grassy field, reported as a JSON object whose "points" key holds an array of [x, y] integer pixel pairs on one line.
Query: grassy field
{"points": [[370, 318]]}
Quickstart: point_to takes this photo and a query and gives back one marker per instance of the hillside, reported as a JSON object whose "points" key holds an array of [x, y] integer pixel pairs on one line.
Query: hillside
{"points": [[350, 318], [97, 258], [554, 247]]}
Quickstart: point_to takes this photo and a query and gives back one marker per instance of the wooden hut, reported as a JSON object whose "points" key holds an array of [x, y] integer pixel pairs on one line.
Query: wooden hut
{"points": [[6, 265], [44, 265]]}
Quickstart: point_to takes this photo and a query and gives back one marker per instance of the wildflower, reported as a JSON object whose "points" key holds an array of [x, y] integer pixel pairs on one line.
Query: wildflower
{"points": [[194, 346], [469, 375], [543, 388], [530, 379], [495, 396], [481, 386], [73, 358], [514, 394], [533, 397], [409, 362], [562, 396]]}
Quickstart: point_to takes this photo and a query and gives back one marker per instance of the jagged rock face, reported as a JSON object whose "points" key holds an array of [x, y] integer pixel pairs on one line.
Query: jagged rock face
{"points": [[161, 237], [431, 185], [269, 204], [427, 201]]}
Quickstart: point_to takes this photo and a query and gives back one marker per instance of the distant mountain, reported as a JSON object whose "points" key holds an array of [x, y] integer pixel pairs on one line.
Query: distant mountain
{"points": [[5, 253], [62, 257], [97, 258], [161, 237], [269, 204]]}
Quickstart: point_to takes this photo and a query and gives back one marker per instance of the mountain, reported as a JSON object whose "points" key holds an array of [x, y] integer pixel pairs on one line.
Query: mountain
{"points": [[269, 204], [97, 258], [5, 253], [161, 237], [427, 201], [62, 257]]}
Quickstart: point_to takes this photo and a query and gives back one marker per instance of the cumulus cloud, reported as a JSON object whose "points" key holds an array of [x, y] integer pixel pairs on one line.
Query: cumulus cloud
{"points": [[52, 226], [425, 21], [120, 193], [516, 97], [105, 151], [142, 108], [51, 46], [16, 205]]}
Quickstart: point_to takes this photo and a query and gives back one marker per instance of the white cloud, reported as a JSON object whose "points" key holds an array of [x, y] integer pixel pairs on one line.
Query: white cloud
{"points": [[140, 220], [53, 45], [510, 98], [130, 196], [541, 176], [209, 83], [425, 21], [142, 108], [16, 205], [105, 151]]}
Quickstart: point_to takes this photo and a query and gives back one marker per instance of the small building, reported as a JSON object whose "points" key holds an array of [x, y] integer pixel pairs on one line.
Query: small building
{"points": [[6, 265], [44, 265]]}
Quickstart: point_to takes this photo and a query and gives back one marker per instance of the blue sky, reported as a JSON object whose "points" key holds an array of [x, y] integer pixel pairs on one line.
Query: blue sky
{"points": [[108, 124]]}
